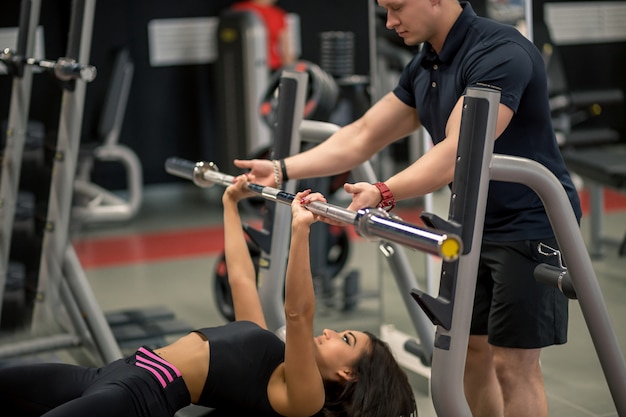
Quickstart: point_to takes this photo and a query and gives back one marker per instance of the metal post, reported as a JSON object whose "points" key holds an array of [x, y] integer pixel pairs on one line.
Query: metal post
{"points": [[56, 262], [451, 311], [596, 222], [16, 133], [273, 262]]}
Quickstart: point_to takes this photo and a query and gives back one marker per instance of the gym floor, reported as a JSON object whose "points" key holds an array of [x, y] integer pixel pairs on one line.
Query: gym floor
{"points": [[166, 257]]}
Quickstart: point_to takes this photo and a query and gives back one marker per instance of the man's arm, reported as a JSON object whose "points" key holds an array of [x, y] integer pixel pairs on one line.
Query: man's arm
{"points": [[386, 121], [431, 172]]}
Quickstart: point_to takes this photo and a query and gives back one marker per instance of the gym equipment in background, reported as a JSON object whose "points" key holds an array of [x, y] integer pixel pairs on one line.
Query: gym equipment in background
{"points": [[321, 93], [92, 202], [242, 75], [591, 147], [337, 55], [65, 312], [13, 272], [49, 302], [600, 167]]}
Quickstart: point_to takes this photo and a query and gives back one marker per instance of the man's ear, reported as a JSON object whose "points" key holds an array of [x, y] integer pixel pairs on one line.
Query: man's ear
{"points": [[347, 375]]}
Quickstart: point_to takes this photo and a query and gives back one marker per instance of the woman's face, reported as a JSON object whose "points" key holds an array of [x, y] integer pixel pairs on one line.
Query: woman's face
{"points": [[337, 352]]}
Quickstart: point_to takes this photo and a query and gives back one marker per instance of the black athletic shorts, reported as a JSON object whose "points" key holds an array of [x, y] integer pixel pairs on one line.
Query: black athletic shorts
{"points": [[510, 306]]}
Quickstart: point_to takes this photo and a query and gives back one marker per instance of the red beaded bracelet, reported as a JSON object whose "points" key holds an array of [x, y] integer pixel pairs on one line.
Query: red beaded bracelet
{"points": [[388, 202]]}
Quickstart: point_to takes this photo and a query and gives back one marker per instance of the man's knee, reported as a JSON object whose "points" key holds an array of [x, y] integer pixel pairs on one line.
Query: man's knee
{"points": [[517, 365]]}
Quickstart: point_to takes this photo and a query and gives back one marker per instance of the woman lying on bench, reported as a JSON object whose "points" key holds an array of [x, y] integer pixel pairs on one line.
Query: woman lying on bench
{"points": [[240, 366]]}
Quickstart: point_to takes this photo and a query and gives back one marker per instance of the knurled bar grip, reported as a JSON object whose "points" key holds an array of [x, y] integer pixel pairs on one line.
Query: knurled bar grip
{"points": [[369, 223]]}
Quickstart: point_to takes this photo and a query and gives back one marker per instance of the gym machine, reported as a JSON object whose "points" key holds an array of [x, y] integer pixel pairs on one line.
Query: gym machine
{"points": [[242, 75], [92, 202], [65, 313]]}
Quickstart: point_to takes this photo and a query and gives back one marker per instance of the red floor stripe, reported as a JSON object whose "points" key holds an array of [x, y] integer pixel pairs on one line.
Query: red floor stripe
{"points": [[613, 201], [140, 248], [208, 241]]}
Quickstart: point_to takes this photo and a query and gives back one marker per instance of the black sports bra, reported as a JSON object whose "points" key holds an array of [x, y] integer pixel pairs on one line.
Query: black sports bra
{"points": [[242, 359]]}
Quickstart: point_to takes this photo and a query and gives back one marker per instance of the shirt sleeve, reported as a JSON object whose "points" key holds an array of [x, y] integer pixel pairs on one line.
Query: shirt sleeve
{"points": [[507, 67], [404, 89]]}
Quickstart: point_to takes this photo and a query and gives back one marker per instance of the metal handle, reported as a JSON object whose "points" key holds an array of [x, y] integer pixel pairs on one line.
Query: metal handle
{"points": [[554, 276]]}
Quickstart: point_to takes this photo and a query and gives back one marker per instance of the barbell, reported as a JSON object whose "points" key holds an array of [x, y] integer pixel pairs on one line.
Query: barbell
{"points": [[370, 223]]}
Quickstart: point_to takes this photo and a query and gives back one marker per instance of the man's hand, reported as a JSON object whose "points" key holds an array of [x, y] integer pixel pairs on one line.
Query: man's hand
{"points": [[364, 195], [262, 169]]}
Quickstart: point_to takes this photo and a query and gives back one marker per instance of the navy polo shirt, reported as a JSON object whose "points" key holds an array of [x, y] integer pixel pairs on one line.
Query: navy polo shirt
{"points": [[481, 52]]}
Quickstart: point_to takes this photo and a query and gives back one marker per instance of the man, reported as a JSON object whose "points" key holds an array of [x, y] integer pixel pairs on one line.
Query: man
{"points": [[514, 317]]}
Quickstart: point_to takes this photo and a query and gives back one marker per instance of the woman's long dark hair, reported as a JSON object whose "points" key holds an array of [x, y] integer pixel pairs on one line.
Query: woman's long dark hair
{"points": [[381, 388]]}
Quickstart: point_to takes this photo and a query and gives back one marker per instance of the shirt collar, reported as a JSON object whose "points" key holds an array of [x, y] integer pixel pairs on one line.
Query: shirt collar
{"points": [[453, 41]]}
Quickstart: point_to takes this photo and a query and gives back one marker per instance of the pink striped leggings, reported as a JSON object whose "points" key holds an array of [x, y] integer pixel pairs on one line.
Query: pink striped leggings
{"points": [[140, 385]]}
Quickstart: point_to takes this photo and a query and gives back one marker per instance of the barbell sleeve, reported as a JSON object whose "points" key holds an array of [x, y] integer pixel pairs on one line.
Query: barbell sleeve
{"points": [[66, 69], [372, 223], [378, 223]]}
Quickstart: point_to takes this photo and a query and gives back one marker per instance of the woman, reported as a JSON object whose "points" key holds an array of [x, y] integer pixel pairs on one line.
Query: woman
{"points": [[240, 366]]}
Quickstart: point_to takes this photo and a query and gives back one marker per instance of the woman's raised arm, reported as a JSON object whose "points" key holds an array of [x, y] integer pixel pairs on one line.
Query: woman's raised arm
{"points": [[241, 272]]}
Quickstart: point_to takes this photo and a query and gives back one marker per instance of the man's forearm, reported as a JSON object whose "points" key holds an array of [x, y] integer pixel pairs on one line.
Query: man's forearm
{"points": [[339, 153], [433, 171]]}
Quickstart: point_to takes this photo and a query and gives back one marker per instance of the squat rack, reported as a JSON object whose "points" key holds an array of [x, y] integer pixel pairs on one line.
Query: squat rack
{"points": [[65, 312]]}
